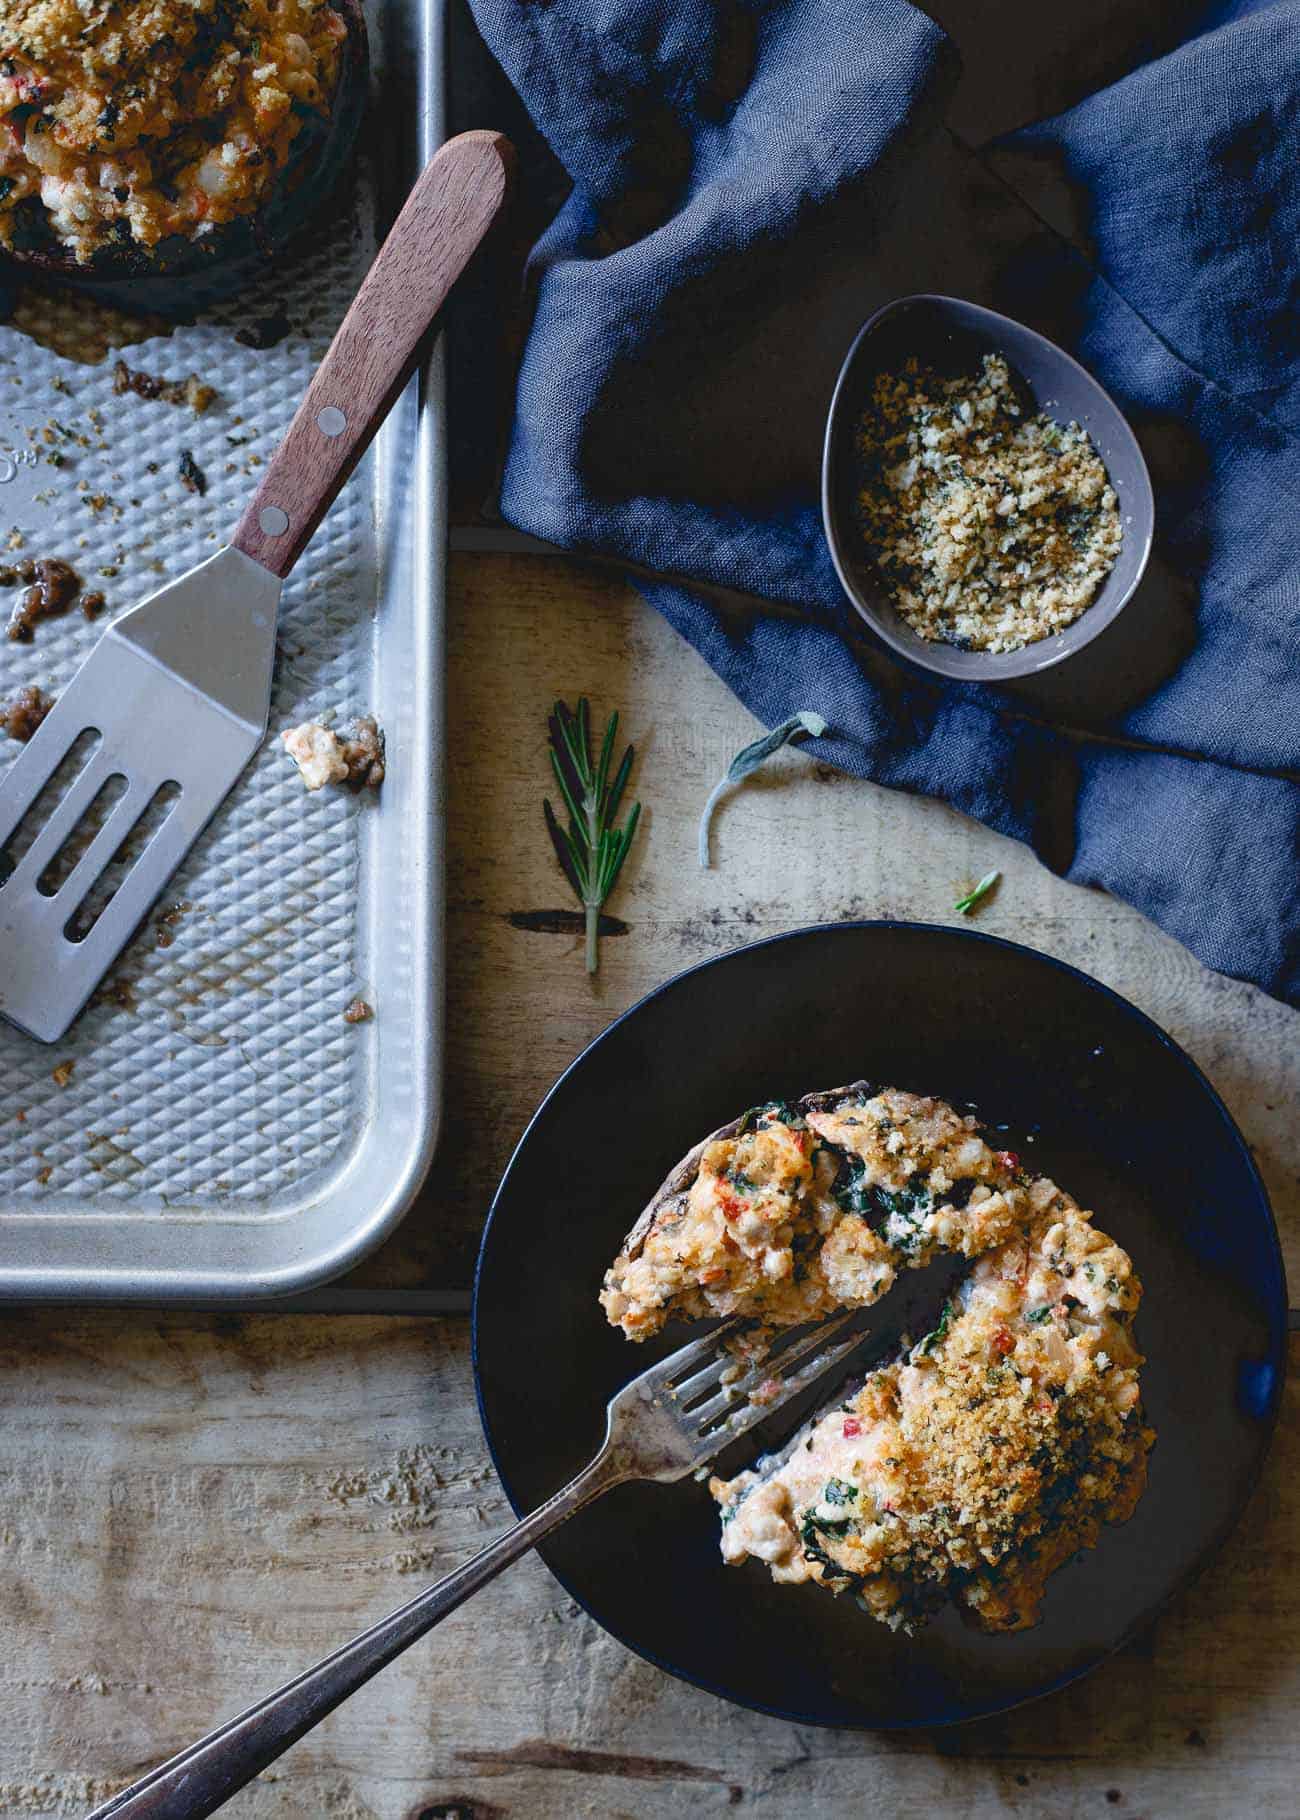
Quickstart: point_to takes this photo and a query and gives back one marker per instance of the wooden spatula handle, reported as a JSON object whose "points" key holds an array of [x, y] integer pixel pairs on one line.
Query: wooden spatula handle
{"points": [[455, 201]]}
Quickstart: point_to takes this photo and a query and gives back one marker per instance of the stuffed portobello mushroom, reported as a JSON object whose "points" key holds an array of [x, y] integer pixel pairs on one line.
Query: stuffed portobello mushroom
{"points": [[143, 139], [980, 1460], [972, 1464], [796, 1210]]}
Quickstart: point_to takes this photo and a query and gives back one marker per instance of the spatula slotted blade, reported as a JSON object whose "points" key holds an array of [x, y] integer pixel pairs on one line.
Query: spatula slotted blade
{"points": [[125, 772]]}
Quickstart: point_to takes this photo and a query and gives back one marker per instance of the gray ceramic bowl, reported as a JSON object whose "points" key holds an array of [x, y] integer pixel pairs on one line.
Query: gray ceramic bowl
{"points": [[945, 333]]}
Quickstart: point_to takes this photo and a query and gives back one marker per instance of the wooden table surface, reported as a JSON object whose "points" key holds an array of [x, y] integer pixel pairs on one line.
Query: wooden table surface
{"points": [[194, 1506]]}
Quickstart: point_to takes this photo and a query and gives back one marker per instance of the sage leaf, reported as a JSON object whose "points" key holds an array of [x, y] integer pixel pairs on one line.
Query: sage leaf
{"points": [[750, 757]]}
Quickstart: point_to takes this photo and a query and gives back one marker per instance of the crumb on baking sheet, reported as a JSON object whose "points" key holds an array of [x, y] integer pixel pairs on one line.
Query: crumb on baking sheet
{"points": [[25, 711], [61, 1074], [317, 753], [192, 477], [266, 332], [992, 527], [51, 586], [363, 753], [119, 993], [358, 1012], [167, 921], [354, 758], [191, 391]]}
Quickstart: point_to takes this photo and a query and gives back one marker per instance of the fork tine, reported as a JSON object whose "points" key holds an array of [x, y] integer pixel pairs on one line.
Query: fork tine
{"points": [[784, 1369], [787, 1362], [734, 1419], [733, 1379], [822, 1365], [701, 1417], [655, 1436], [687, 1389], [692, 1359]]}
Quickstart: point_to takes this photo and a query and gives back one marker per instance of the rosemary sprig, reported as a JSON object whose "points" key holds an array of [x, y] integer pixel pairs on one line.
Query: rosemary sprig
{"points": [[965, 905], [591, 850]]}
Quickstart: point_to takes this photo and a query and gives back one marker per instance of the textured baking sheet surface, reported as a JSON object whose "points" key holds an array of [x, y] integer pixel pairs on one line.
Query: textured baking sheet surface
{"points": [[215, 1070]]}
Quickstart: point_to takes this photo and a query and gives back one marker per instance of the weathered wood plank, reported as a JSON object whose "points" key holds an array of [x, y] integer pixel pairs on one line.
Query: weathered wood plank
{"points": [[194, 1506]]}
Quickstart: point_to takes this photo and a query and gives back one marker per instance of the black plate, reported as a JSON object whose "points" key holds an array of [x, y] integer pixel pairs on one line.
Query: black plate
{"points": [[1103, 1100]]}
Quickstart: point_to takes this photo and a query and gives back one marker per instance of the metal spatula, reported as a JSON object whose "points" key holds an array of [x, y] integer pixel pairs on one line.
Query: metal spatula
{"points": [[154, 729]]}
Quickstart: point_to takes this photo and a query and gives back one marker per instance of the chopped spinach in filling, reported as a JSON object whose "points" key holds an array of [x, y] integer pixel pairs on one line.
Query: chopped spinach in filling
{"points": [[772, 1112], [897, 1213]]}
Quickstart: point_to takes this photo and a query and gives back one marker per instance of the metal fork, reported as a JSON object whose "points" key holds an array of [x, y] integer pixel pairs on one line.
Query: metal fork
{"points": [[669, 1422]]}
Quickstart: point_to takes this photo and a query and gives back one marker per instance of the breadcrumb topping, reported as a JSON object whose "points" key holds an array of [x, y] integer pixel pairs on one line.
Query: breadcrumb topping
{"points": [[992, 526], [975, 1465], [130, 120]]}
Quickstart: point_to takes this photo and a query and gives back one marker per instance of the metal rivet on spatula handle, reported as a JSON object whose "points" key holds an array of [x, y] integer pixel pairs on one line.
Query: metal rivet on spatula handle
{"points": [[331, 421], [273, 521]]}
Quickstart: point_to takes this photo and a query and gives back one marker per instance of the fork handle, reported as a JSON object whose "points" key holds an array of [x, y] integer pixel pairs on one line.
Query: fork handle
{"points": [[456, 199], [201, 1779]]}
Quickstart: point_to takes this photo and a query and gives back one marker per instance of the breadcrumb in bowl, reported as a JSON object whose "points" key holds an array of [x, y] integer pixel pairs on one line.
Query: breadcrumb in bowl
{"points": [[993, 525], [919, 589], [158, 152]]}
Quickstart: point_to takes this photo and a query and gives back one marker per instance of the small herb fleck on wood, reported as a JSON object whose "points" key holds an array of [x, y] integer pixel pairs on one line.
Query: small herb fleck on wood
{"points": [[965, 905]]}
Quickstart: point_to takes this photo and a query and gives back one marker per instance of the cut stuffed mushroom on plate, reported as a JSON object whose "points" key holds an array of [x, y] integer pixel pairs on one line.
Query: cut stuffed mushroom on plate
{"points": [[795, 1210], [978, 1462]]}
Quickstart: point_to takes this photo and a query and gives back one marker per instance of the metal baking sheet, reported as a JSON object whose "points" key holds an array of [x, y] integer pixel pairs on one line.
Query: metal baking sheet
{"points": [[212, 1127]]}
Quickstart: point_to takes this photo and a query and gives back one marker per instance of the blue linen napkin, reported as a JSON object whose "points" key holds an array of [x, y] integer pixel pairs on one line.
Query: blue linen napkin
{"points": [[749, 182]]}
